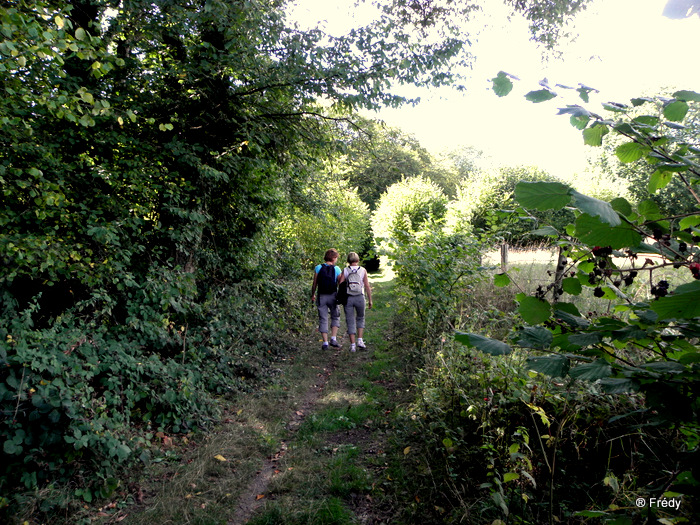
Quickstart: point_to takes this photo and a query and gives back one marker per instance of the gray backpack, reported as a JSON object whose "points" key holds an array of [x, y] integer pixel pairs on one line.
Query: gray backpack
{"points": [[354, 280]]}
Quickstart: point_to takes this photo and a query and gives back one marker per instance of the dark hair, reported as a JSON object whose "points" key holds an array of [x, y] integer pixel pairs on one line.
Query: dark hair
{"points": [[331, 254]]}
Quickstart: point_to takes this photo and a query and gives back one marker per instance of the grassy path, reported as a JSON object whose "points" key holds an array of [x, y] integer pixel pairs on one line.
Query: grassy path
{"points": [[315, 447]]}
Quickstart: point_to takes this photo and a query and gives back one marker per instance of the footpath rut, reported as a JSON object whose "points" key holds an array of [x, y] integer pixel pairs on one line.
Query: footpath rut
{"points": [[250, 500]]}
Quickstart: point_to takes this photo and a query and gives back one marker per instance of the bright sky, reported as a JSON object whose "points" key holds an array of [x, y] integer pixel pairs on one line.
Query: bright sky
{"points": [[625, 49]]}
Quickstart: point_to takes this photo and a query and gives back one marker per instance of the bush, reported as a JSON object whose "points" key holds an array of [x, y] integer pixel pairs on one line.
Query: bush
{"points": [[83, 401], [405, 207]]}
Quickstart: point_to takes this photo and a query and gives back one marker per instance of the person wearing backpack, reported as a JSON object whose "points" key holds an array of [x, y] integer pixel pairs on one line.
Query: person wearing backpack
{"points": [[358, 286], [326, 280]]}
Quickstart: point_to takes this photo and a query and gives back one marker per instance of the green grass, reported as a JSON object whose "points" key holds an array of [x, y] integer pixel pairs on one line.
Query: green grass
{"points": [[329, 511]]}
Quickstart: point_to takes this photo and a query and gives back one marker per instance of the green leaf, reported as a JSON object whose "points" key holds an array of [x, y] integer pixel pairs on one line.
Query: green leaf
{"points": [[676, 111], [631, 151], [545, 230], [649, 210], [689, 222], [664, 367], [689, 96], [590, 513], [647, 120], [501, 279], [532, 309], [502, 85], [593, 136], [571, 319], [11, 448], [675, 167], [583, 92], [683, 304], [542, 195], [580, 121], [598, 369], [572, 286], [535, 337], [484, 344], [659, 180], [585, 339], [595, 207], [619, 385], [621, 206], [569, 308], [510, 476], [551, 365], [541, 95], [590, 230], [80, 34], [640, 101]]}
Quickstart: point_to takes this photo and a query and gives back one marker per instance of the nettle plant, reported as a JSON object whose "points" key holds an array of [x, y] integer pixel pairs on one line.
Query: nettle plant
{"points": [[647, 345]]}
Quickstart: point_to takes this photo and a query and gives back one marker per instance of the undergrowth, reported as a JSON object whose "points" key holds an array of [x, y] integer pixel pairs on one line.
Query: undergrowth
{"points": [[85, 401]]}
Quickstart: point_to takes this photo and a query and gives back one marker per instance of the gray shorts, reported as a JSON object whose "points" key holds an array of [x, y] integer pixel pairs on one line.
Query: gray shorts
{"points": [[326, 303], [355, 313]]}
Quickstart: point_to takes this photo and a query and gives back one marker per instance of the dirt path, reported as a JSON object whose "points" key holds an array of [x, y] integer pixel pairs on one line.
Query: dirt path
{"points": [[250, 500], [308, 446]]}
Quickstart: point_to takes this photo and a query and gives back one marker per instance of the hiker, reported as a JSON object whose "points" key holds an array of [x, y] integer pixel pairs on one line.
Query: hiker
{"points": [[326, 279], [357, 286]]}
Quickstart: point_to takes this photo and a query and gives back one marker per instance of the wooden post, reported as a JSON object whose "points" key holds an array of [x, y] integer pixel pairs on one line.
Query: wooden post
{"points": [[504, 257]]}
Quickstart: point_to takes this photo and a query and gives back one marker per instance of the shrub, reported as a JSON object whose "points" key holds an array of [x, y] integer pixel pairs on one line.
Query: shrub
{"points": [[405, 207], [83, 401]]}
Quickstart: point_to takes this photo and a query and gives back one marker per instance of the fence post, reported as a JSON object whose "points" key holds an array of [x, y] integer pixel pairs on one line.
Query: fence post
{"points": [[504, 257]]}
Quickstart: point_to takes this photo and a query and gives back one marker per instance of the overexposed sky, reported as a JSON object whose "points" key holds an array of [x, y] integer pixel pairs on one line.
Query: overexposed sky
{"points": [[625, 49]]}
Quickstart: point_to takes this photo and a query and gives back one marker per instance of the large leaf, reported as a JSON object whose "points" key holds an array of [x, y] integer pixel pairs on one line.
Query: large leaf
{"points": [[532, 309], [545, 230], [689, 222], [683, 304], [676, 111], [484, 344], [664, 367], [542, 195], [585, 339], [621, 206], [595, 207], [572, 286], [551, 365], [571, 319], [593, 136], [593, 232], [541, 95], [649, 210], [501, 280], [598, 369], [690, 96], [502, 85], [631, 151], [569, 308], [658, 180], [535, 337], [619, 385]]}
